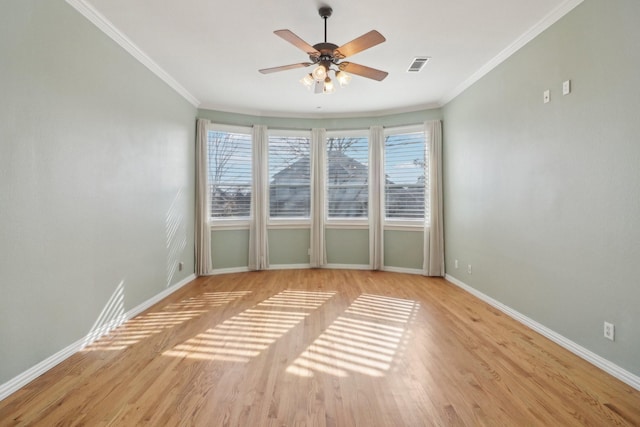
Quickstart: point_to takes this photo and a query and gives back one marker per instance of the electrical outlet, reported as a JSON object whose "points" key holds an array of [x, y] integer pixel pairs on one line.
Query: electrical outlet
{"points": [[455, 264], [469, 270], [609, 331], [566, 87], [546, 97], [180, 266]]}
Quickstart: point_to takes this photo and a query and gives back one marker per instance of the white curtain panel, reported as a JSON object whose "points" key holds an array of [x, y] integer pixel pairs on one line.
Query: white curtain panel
{"points": [[318, 151], [376, 197], [203, 232], [434, 232], [258, 245]]}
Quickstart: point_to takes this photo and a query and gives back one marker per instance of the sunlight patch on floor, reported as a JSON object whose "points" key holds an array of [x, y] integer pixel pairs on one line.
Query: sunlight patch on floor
{"points": [[249, 333], [364, 340], [172, 315]]}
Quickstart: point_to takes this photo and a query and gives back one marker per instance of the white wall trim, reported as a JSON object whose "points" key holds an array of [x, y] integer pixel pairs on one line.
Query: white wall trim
{"points": [[35, 371], [157, 298], [392, 269], [404, 227], [525, 38], [348, 266], [289, 266], [219, 226], [292, 224], [217, 271], [335, 224], [596, 360], [100, 21], [19, 381]]}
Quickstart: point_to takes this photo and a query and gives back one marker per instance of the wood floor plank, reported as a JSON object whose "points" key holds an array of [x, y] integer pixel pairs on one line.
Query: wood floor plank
{"points": [[322, 348]]}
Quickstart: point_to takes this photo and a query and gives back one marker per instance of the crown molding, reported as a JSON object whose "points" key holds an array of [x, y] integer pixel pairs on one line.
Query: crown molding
{"points": [[525, 38], [96, 18]]}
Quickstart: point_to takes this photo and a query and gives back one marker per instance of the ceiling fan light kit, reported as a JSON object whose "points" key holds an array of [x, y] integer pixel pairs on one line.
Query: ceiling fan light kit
{"points": [[327, 57]]}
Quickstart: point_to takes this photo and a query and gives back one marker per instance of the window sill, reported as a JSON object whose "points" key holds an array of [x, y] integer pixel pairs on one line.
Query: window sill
{"points": [[229, 224], [289, 224], [404, 225], [347, 225]]}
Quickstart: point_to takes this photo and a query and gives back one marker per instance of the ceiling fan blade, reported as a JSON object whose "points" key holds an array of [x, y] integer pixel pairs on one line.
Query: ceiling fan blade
{"points": [[297, 42], [361, 70], [365, 41], [284, 67]]}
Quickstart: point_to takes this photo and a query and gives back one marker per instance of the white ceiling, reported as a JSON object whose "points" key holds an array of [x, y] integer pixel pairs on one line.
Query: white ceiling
{"points": [[211, 50]]}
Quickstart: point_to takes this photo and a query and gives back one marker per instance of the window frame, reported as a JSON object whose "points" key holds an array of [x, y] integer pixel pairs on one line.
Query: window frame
{"points": [[284, 223], [221, 223], [404, 224], [345, 222]]}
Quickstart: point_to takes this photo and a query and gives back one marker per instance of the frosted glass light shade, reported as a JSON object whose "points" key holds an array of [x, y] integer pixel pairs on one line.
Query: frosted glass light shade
{"points": [[343, 78], [320, 73], [328, 86], [308, 81]]}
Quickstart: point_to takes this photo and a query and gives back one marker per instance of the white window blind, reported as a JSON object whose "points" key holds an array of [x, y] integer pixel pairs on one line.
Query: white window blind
{"points": [[229, 174], [347, 177], [289, 177], [406, 175]]}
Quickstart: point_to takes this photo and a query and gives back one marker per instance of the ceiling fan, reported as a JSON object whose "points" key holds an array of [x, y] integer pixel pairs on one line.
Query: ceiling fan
{"points": [[326, 55]]}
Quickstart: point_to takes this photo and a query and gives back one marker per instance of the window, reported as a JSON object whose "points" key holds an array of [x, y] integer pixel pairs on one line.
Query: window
{"points": [[405, 168], [347, 177], [229, 174], [289, 177]]}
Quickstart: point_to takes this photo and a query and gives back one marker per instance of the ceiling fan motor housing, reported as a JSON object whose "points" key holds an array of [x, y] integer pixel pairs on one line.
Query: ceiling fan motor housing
{"points": [[326, 53]]}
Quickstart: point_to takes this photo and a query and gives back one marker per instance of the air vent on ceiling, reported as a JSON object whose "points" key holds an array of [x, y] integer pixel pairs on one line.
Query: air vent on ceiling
{"points": [[417, 63]]}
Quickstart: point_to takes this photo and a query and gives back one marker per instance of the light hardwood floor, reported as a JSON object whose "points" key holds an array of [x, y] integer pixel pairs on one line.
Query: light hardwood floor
{"points": [[323, 348]]}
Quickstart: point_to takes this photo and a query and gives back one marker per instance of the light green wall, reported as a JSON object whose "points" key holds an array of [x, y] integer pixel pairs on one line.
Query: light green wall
{"points": [[347, 246], [229, 249], [96, 180], [544, 199], [403, 249], [289, 247]]}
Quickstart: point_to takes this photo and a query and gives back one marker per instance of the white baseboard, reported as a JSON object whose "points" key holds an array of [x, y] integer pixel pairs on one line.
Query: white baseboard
{"points": [[348, 266], [157, 298], [402, 270], [289, 266], [329, 266], [35, 371], [596, 360], [217, 271], [19, 381]]}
